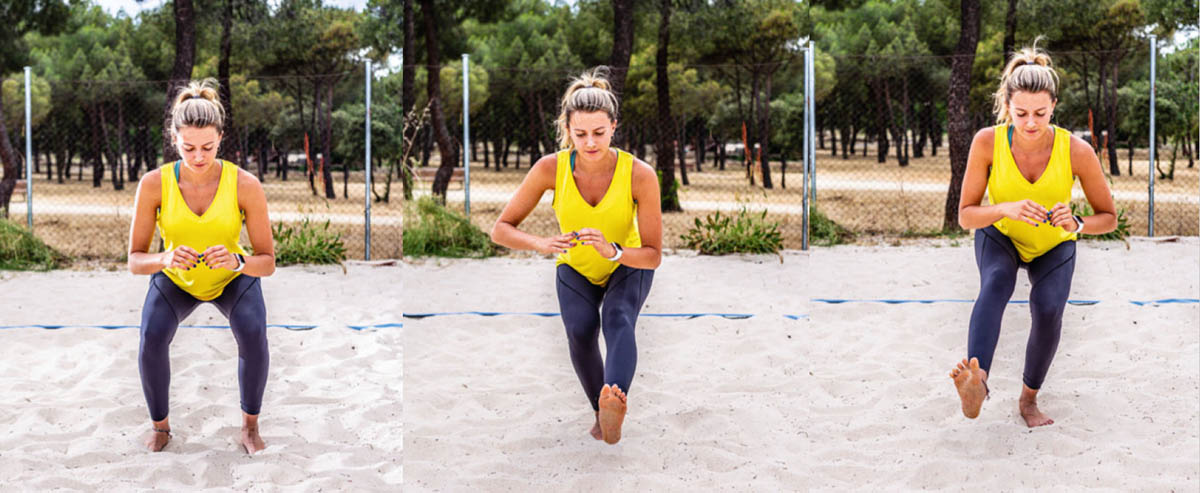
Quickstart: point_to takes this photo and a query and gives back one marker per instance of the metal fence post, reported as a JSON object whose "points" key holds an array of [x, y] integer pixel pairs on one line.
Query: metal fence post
{"points": [[466, 118], [367, 181], [29, 149], [807, 163], [1153, 55], [811, 105]]}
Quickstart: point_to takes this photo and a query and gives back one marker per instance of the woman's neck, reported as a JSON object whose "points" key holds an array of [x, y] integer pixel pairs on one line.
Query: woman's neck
{"points": [[211, 173], [1041, 141], [606, 162]]}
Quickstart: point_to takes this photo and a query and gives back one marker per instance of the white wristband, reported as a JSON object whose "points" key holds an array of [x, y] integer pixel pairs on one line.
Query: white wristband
{"points": [[1080, 228], [620, 252]]}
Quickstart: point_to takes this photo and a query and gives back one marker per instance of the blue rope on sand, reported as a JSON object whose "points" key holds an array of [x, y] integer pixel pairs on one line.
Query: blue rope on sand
{"points": [[296, 327], [1166, 301], [893, 301], [729, 316]]}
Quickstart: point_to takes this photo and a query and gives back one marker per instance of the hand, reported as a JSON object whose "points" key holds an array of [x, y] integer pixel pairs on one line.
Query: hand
{"points": [[219, 257], [595, 238], [1025, 210], [556, 244], [1061, 217], [182, 257]]}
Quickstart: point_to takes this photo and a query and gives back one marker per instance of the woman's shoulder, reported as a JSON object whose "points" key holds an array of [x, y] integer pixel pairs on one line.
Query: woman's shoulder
{"points": [[1079, 147], [985, 135], [246, 178]]}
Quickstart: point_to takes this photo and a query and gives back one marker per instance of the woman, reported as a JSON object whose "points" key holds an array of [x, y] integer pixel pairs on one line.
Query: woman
{"points": [[1028, 167], [610, 221], [199, 204]]}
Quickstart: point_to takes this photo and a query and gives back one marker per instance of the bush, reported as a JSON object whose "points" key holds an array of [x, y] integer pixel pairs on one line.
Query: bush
{"points": [[743, 233], [20, 250], [431, 230], [307, 243], [824, 232], [1119, 234]]}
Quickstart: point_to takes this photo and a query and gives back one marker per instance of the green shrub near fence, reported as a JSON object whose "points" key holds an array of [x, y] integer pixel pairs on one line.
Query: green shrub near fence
{"points": [[741, 233], [20, 250], [307, 243], [431, 230]]}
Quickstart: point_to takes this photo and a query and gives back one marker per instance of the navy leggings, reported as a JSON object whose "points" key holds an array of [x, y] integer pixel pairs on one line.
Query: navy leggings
{"points": [[586, 308], [1050, 274], [166, 305]]}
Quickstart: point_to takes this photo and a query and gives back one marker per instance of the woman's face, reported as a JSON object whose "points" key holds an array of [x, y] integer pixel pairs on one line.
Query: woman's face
{"points": [[1030, 112], [591, 132], [198, 146]]}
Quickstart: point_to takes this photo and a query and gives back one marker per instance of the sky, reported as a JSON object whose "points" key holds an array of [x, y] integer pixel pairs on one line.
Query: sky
{"points": [[132, 7]]}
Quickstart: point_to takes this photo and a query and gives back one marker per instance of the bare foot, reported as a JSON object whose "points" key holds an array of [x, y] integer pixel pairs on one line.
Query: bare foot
{"points": [[969, 380], [1029, 409], [612, 413], [159, 435], [596, 433], [251, 441]]}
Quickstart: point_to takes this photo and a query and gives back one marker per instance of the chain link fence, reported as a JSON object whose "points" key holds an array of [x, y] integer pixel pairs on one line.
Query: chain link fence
{"points": [[512, 125], [883, 161], [94, 139]]}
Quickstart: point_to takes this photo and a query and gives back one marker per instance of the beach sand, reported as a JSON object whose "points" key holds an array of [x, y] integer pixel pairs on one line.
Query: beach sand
{"points": [[73, 407], [493, 404], [1124, 389]]}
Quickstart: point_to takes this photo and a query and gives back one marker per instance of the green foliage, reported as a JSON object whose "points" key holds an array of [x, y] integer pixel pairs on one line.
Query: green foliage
{"points": [[1122, 231], [20, 250], [744, 233], [307, 243], [431, 230], [824, 232]]}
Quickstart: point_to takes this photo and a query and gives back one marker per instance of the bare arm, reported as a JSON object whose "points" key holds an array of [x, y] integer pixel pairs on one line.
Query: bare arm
{"points": [[649, 220], [141, 231], [536, 182], [972, 215], [1086, 166]]}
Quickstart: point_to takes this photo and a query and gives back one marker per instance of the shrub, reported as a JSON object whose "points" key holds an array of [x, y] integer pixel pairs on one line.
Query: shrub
{"points": [[431, 230], [744, 233], [307, 243], [20, 250], [824, 232]]}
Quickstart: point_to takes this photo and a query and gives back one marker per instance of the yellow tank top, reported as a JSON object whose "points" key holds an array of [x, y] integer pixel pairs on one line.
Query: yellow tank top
{"points": [[221, 224], [1007, 184], [615, 215]]}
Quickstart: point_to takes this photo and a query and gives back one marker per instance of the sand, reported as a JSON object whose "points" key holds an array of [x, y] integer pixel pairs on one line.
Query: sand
{"points": [[1124, 388], [73, 408], [493, 404]]}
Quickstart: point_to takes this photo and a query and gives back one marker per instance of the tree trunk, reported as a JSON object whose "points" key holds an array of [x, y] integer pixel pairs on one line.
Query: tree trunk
{"points": [[622, 47], [9, 159], [327, 141], [1112, 117], [958, 107], [764, 130], [227, 153], [433, 62], [1010, 30], [664, 152], [181, 71]]}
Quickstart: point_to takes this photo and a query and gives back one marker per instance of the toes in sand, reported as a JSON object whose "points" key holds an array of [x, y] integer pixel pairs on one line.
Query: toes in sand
{"points": [[968, 379], [612, 413]]}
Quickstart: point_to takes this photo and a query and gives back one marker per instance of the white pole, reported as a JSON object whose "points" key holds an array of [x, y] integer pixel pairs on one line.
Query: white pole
{"points": [[28, 149], [807, 144], [1153, 55], [367, 165], [812, 120], [466, 119]]}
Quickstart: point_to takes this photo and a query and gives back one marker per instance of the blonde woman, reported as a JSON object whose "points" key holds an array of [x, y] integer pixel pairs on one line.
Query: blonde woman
{"points": [[1028, 167], [199, 205], [610, 242]]}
